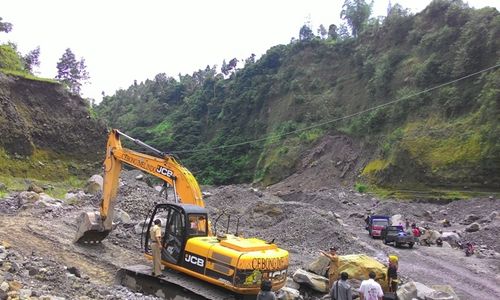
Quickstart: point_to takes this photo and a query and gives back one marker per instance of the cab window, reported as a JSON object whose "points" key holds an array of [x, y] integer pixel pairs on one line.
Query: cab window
{"points": [[197, 225]]}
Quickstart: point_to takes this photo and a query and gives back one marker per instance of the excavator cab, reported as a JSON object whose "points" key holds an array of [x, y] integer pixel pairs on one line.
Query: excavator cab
{"points": [[179, 223]]}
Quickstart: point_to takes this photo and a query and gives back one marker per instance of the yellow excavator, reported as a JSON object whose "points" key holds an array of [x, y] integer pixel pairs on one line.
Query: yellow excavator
{"points": [[190, 248]]}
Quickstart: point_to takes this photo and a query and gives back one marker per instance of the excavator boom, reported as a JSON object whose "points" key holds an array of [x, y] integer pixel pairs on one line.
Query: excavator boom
{"points": [[95, 226]]}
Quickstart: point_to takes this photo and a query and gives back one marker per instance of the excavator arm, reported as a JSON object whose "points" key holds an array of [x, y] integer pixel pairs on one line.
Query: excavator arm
{"points": [[95, 226]]}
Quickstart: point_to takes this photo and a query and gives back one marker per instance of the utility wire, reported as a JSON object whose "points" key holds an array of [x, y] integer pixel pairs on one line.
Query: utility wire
{"points": [[275, 136]]}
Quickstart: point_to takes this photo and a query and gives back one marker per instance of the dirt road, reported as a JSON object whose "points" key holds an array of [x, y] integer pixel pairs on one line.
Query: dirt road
{"points": [[470, 277]]}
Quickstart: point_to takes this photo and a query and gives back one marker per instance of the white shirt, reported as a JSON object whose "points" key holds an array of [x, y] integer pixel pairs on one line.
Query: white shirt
{"points": [[371, 289]]}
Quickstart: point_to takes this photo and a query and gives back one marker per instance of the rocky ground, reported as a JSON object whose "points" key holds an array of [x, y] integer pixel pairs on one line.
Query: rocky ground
{"points": [[39, 260]]}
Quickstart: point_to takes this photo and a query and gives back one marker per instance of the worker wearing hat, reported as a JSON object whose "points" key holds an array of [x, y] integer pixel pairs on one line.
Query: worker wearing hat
{"points": [[334, 265]]}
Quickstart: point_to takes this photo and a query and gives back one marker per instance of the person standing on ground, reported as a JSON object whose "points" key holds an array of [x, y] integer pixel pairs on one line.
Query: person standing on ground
{"points": [[265, 291], [392, 273], [155, 235], [416, 233], [341, 290], [334, 265], [370, 289]]}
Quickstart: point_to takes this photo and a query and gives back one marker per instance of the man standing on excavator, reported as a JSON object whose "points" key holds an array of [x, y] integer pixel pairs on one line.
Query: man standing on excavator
{"points": [[155, 235]]}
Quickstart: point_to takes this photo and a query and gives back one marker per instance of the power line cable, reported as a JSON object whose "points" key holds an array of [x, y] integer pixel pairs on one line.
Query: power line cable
{"points": [[343, 117]]}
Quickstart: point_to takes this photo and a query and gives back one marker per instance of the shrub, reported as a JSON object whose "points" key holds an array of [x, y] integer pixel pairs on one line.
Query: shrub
{"points": [[360, 187]]}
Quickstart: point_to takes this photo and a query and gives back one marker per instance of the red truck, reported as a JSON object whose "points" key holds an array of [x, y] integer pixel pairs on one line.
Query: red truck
{"points": [[375, 224]]}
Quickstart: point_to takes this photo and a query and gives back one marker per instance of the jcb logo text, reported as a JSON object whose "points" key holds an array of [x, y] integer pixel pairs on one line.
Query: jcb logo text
{"points": [[194, 260], [165, 171]]}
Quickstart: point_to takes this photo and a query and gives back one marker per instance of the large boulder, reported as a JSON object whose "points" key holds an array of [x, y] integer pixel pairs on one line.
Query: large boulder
{"points": [[74, 197], [34, 188], [438, 295], [139, 226], [446, 288], [451, 237], [421, 291], [430, 235], [469, 219], [4, 286], [46, 201], [122, 217], [292, 284], [319, 266], [27, 198], [316, 282], [427, 215], [358, 266], [287, 293], [473, 227], [94, 185], [397, 220]]}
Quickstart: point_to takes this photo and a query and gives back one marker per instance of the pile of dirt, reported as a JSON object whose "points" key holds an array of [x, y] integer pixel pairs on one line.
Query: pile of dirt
{"points": [[333, 162]]}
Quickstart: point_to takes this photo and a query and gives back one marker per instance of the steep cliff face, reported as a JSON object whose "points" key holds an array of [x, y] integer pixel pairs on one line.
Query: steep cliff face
{"points": [[43, 125]]}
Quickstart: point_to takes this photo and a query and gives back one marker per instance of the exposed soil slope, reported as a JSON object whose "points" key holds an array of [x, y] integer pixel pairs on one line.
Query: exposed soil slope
{"points": [[43, 119]]}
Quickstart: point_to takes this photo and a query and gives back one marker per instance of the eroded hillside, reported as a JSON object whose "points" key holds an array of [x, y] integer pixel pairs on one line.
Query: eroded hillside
{"points": [[46, 132]]}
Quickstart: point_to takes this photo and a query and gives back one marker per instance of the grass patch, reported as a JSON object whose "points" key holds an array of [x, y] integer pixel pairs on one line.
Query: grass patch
{"points": [[41, 165], [431, 195], [55, 189], [13, 183], [374, 166], [443, 144], [28, 76], [310, 136], [360, 187]]}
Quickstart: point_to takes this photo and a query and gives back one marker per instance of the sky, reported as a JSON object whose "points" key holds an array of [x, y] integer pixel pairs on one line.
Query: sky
{"points": [[126, 40]]}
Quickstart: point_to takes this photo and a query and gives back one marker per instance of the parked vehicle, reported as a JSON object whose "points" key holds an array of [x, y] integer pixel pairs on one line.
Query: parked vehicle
{"points": [[398, 236], [375, 224]]}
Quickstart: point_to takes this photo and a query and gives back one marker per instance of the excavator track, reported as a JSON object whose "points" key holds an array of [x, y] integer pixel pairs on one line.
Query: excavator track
{"points": [[173, 285]]}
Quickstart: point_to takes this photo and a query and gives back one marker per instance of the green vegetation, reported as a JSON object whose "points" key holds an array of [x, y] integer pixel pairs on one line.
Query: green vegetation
{"points": [[428, 194], [360, 187], [247, 124], [55, 189], [9, 59], [374, 166], [28, 76], [41, 165]]}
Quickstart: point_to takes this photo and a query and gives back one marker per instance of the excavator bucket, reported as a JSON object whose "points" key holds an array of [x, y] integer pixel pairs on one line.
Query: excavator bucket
{"points": [[90, 228]]}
